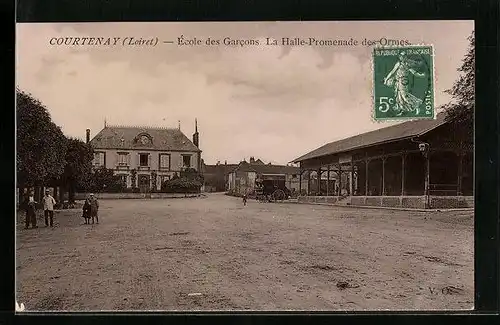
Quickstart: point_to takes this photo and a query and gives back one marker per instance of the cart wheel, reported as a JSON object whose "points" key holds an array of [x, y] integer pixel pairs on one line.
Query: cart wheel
{"points": [[278, 195]]}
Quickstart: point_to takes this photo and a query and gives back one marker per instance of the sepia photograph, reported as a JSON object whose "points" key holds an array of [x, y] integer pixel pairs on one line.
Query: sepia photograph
{"points": [[245, 166]]}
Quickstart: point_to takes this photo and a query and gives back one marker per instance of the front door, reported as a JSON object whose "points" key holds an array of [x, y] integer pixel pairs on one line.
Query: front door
{"points": [[144, 183]]}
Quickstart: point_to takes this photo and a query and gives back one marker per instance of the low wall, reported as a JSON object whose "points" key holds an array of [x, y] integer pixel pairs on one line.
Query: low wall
{"points": [[415, 202], [116, 196]]}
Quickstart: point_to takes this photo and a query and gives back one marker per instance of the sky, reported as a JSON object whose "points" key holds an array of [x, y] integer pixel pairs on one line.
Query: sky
{"points": [[275, 103]]}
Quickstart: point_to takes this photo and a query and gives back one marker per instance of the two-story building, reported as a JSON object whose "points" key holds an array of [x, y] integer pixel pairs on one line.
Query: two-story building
{"points": [[139, 154]]}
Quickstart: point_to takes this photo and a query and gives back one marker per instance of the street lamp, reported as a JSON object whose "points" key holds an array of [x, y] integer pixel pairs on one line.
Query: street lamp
{"points": [[424, 148]]}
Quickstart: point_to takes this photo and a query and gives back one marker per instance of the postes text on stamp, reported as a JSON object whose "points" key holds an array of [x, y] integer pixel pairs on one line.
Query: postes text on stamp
{"points": [[403, 83]]}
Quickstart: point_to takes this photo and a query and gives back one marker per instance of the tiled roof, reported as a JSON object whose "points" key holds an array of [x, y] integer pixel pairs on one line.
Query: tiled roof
{"points": [[388, 134], [213, 169], [266, 169], [165, 139]]}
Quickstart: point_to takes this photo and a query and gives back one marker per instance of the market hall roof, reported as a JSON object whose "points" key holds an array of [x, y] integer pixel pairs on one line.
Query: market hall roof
{"points": [[147, 138], [392, 133]]}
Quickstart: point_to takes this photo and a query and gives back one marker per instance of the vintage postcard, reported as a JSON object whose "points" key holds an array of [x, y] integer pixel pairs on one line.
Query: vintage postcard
{"points": [[287, 166]]}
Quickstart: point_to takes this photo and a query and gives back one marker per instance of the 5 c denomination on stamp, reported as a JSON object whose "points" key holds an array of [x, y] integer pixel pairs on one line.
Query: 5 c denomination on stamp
{"points": [[403, 80]]}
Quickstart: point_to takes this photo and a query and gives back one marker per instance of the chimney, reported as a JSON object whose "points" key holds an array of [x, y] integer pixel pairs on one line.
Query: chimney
{"points": [[87, 139], [196, 135], [252, 160]]}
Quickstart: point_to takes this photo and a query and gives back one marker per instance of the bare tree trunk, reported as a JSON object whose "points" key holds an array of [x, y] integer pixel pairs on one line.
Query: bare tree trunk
{"points": [[71, 193]]}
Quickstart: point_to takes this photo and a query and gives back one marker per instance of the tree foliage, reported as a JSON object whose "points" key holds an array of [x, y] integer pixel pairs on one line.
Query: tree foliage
{"points": [[192, 174], [78, 169], [461, 109], [41, 145], [181, 185], [133, 176], [104, 180]]}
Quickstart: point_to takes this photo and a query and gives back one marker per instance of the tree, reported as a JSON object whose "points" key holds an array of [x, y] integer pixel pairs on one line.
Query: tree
{"points": [[192, 174], [41, 145], [133, 175], [181, 185], [78, 169], [461, 109], [154, 178], [104, 180]]}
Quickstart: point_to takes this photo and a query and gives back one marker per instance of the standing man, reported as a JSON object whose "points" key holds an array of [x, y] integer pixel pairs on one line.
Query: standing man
{"points": [[48, 208], [94, 207], [30, 205]]}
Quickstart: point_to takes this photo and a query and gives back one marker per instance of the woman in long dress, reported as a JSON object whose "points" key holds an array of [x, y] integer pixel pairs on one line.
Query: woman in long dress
{"points": [[398, 79]]}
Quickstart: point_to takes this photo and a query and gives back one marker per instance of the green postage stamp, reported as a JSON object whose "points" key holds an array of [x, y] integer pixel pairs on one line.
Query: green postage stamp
{"points": [[403, 80]]}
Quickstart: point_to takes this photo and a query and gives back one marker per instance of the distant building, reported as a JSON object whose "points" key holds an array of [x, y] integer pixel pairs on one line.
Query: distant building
{"points": [[241, 180], [423, 163], [152, 152], [216, 176]]}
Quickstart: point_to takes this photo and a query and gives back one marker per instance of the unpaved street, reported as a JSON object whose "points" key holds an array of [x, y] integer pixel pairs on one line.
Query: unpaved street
{"points": [[152, 254]]}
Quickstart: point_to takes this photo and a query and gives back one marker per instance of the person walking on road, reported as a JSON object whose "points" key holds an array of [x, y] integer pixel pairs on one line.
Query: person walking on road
{"points": [[48, 208], [30, 206], [94, 208]]}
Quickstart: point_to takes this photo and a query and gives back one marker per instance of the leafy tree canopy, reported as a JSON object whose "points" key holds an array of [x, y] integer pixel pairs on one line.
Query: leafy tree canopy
{"points": [[79, 156], [462, 107], [104, 180], [41, 145]]}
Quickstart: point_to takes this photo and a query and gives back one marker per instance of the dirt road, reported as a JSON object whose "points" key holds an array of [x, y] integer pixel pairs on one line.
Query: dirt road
{"points": [[215, 254]]}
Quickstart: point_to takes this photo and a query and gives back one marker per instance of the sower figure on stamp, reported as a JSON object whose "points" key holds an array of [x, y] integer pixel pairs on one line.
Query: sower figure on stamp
{"points": [[48, 208], [399, 79], [94, 208], [30, 206]]}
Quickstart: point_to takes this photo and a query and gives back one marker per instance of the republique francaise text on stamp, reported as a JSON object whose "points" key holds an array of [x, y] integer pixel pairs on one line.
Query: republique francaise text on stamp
{"points": [[403, 83]]}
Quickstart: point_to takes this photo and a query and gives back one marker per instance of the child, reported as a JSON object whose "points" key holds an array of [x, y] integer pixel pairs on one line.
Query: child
{"points": [[86, 211], [244, 199], [30, 206]]}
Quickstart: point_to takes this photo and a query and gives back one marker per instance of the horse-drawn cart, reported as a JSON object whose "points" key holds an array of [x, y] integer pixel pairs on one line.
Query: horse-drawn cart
{"points": [[270, 192]]}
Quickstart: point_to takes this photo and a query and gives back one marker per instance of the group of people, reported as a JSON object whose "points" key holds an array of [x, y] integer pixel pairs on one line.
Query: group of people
{"points": [[48, 209], [90, 209]]}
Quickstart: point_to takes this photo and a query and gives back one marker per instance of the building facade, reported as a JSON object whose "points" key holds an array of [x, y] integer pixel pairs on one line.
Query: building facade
{"points": [[216, 176], [242, 179], [418, 164], [145, 157]]}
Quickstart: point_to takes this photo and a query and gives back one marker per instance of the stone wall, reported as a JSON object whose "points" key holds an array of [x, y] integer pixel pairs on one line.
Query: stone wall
{"points": [[115, 196], [415, 202], [452, 202]]}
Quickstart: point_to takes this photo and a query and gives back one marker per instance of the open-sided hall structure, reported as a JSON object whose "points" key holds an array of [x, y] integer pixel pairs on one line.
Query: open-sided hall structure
{"points": [[420, 164]]}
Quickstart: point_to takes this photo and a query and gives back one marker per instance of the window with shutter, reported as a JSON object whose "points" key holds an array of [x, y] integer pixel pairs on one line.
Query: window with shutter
{"points": [[99, 159], [144, 160], [123, 159], [165, 161], [186, 160]]}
